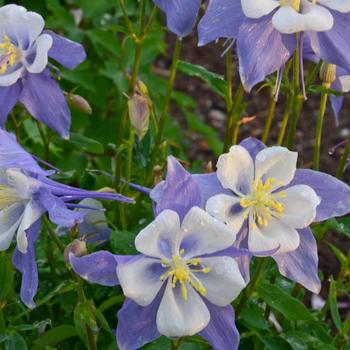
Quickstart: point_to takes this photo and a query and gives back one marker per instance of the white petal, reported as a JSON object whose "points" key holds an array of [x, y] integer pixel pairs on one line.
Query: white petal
{"points": [[227, 209], [32, 213], [177, 317], [10, 219], [160, 239], [43, 45], [300, 204], [345, 83], [338, 5], [140, 279], [258, 8], [235, 170], [203, 234], [275, 235], [313, 17], [11, 78], [278, 163], [23, 184], [224, 282]]}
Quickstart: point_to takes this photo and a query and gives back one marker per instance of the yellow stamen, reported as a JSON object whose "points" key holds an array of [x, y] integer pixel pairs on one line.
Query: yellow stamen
{"points": [[262, 202], [8, 196], [8, 54], [180, 270]]}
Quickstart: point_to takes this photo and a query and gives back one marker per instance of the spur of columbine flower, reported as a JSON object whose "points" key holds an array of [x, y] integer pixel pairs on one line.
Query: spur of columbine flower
{"points": [[181, 189], [24, 70], [181, 15], [265, 32], [26, 194]]}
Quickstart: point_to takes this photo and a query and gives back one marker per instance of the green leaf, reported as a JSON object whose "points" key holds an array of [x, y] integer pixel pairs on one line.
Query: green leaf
{"points": [[332, 299], [54, 336], [84, 143], [291, 308], [104, 40], [253, 317], [215, 81], [84, 315], [304, 341], [339, 254], [14, 341], [123, 242], [6, 275]]}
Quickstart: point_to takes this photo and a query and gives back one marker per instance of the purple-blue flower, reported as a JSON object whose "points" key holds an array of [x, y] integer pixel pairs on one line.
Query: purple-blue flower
{"points": [[321, 197], [24, 71], [265, 32], [27, 193], [181, 15]]}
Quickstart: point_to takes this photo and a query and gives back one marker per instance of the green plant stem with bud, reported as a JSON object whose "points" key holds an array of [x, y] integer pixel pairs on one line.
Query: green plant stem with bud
{"points": [[165, 109], [285, 120], [270, 115], [319, 128], [344, 159]]}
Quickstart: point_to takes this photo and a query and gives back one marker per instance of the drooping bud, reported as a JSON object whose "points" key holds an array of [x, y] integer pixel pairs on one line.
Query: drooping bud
{"points": [[79, 103], [139, 110], [77, 247], [328, 73]]}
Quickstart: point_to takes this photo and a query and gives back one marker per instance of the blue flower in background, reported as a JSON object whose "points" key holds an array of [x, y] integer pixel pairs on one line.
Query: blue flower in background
{"points": [[24, 73], [265, 32], [27, 193], [181, 15]]}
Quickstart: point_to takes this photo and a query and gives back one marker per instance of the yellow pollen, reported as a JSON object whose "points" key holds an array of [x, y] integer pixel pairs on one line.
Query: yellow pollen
{"points": [[293, 3], [262, 202], [8, 196], [182, 271], [8, 54]]}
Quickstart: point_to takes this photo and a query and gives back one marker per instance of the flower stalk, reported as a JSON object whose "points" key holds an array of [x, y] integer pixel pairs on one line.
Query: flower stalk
{"points": [[270, 115]]}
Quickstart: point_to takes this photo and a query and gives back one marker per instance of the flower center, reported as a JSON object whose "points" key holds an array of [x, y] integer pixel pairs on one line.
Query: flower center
{"points": [[294, 3], [8, 54], [8, 196], [262, 202], [182, 271]]}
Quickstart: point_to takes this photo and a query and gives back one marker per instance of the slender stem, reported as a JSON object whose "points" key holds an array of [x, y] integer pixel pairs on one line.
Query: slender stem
{"points": [[250, 289], [270, 115], [236, 116], [344, 159], [285, 120], [165, 109], [296, 95], [175, 344], [45, 142], [126, 17], [53, 235], [319, 128]]}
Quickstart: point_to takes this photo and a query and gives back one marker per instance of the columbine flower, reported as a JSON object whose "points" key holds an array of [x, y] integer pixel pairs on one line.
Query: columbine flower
{"points": [[182, 283], [181, 189], [24, 73], [26, 193], [181, 15], [265, 30]]}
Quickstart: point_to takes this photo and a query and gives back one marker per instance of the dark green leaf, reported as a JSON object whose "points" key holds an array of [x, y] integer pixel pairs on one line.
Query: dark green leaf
{"points": [[332, 299]]}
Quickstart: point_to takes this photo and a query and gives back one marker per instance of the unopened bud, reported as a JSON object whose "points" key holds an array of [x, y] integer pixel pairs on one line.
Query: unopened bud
{"points": [[79, 103], [328, 73], [77, 247], [139, 110]]}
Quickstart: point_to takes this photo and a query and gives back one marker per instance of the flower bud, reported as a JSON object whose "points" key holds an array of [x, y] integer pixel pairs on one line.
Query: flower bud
{"points": [[79, 103], [77, 247], [328, 73], [139, 110]]}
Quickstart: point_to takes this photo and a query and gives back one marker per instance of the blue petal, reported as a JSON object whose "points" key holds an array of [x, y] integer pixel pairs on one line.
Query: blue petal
{"points": [[253, 146], [262, 50], [301, 265], [334, 194], [69, 53], [181, 15], [99, 267], [221, 20], [26, 264], [45, 101], [9, 96], [221, 332]]}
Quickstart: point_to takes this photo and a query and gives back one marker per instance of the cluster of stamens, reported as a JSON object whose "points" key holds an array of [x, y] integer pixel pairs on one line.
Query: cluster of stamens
{"points": [[8, 55], [8, 196], [182, 271], [262, 203], [294, 3]]}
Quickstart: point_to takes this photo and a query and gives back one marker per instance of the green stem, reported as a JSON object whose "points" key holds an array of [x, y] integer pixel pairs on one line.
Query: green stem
{"points": [[285, 120], [175, 344], [297, 97], [236, 116], [53, 235], [165, 109], [248, 291], [319, 128], [45, 142], [270, 115], [126, 17], [343, 160]]}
